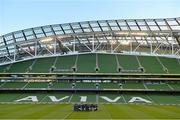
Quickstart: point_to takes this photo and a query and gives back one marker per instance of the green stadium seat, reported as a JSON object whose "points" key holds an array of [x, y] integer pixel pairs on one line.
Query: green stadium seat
{"points": [[65, 63], [133, 86], [128, 62], [109, 86], [20, 67], [3, 68], [107, 63], [171, 64], [158, 86], [81, 85], [151, 64], [175, 86], [86, 63], [42, 65], [64, 85], [13, 85], [37, 85]]}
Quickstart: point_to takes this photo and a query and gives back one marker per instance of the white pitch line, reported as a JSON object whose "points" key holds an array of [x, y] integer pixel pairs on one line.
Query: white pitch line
{"points": [[70, 98], [67, 115], [124, 99]]}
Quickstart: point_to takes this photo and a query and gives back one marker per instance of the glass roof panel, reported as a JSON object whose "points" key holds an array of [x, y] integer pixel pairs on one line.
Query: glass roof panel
{"points": [[115, 28], [66, 26], [56, 27], [143, 28], [9, 41], [49, 33], [8, 37], [151, 23], [96, 29], [87, 30], [124, 28], [103, 23], [154, 28], [28, 32], [141, 22], [121, 23], [59, 32], [1, 41], [170, 22], [47, 29], [105, 28], [30, 37], [112, 23], [75, 25], [18, 34], [78, 30], [84, 24], [40, 35], [131, 23], [175, 27], [38, 30], [68, 31], [94, 24], [134, 28], [20, 39], [164, 27], [161, 22]]}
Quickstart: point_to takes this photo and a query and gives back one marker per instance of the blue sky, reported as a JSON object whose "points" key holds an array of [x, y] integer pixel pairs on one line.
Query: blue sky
{"points": [[21, 14]]}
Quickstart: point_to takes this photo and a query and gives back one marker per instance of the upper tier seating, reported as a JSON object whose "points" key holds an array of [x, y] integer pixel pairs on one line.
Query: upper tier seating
{"points": [[95, 63]]}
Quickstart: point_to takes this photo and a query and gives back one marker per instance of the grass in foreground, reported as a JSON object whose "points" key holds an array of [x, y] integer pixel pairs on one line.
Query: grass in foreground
{"points": [[107, 111]]}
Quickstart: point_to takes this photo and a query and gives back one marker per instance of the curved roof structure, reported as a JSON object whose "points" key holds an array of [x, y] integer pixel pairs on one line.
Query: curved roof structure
{"points": [[153, 36]]}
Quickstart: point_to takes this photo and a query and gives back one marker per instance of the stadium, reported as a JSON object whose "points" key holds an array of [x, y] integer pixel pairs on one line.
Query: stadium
{"points": [[129, 68]]}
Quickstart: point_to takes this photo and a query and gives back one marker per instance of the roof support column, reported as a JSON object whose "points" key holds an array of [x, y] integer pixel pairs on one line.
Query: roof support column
{"points": [[93, 43], [151, 48], [111, 44], [15, 47], [131, 49], [74, 45], [35, 49], [55, 49], [14, 58], [172, 49]]}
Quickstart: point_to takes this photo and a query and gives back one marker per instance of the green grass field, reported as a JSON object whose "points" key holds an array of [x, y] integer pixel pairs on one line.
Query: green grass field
{"points": [[106, 111]]}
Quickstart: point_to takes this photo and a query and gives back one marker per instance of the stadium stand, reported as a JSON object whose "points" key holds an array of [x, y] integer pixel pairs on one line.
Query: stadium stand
{"points": [[42, 65], [107, 63], [20, 67], [172, 65], [132, 63], [65, 64], [151, 64], [92, 62], [91, 85], [87, 63]]}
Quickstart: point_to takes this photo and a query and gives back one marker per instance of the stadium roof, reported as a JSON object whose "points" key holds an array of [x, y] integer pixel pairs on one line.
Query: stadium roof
{"points": [[91, 35]]}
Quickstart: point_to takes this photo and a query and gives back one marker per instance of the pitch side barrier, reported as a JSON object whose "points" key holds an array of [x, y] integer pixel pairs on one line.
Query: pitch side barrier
{"points": [[15, 90], [88, 76]]}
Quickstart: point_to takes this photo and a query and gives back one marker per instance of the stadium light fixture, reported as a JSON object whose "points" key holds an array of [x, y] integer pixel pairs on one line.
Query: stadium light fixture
{"points": [[139, 33], [63, 37], [113, 42], [46, 40], [132, 33], [122, 33], [50, 46], [125, 42]]}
